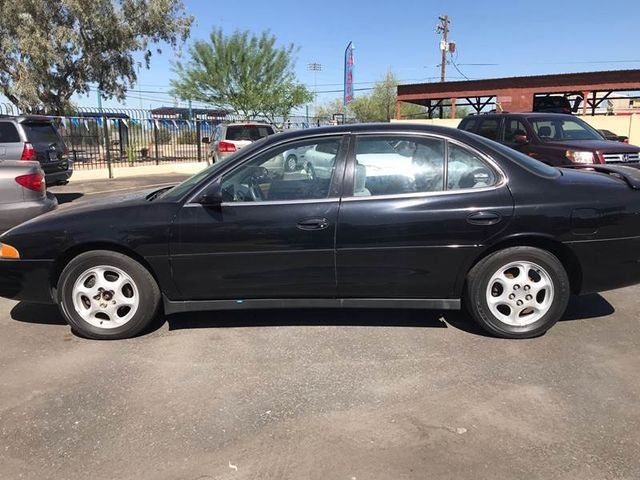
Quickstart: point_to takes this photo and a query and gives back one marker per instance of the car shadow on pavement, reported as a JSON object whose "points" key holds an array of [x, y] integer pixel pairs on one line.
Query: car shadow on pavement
{"points": [[580, 308], [37, 313], [68, 197], [306, 317]]}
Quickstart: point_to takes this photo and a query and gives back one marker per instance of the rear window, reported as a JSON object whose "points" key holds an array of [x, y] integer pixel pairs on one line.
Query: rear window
{"points": [[248, 132], [469, 125], [8, 133], [526, 162], [41, 133]]}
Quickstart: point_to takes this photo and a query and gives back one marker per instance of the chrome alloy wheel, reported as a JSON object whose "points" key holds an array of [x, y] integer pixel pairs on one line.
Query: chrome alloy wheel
{"points": [[520, 293], [105, 296]]}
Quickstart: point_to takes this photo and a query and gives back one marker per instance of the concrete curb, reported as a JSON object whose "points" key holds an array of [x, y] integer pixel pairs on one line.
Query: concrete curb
{"points": [[186, 168]]}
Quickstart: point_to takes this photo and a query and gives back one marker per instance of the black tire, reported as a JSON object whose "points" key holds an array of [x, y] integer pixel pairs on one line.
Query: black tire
{"points": [[290, 163], [478, 284], [147, 289]]}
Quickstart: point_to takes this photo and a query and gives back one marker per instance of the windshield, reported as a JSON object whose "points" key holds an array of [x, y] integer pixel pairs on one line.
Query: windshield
{"points": [[554, 129], [248, 132], [177, 192]]}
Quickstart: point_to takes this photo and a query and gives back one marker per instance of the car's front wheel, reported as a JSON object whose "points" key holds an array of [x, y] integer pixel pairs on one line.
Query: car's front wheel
{"points": [[518, 292], [107, 295]]}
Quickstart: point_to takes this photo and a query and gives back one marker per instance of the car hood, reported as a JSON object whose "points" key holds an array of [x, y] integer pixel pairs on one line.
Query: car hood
{"points": [[605, 146], [88, 207]]}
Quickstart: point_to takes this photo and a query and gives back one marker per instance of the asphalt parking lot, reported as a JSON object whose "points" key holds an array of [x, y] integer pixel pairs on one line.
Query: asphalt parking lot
{"points": [[320, 394]]}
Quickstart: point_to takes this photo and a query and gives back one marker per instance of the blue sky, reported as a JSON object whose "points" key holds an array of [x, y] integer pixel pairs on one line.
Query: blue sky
{"points": [[522, 38]]}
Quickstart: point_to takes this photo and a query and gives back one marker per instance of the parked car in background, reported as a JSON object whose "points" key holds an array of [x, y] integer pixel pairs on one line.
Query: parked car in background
{"points": [[228, 138], [23, 194], [555, 139], [461, 219], [613, 137], [551, 104], [32, 137], [294, 158]]}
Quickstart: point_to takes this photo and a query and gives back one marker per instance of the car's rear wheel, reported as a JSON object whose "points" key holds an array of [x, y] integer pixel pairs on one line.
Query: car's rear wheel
{"points": [[107, 295], [518, 292], [290, 163]]}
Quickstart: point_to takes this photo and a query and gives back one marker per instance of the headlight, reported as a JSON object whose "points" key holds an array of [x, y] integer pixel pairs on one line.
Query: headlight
{"points": [[7, 251], [580, 157]]}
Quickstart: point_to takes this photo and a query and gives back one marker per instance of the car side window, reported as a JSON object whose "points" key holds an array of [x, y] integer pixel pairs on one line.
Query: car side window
{"points": [[545, 130], [267, 177], [466, 170], [8, 133], [489, 128], [397, 165], [512, 128]]}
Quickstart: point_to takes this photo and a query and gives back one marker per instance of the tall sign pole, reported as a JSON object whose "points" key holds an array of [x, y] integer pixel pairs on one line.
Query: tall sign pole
{"points": [[348, 73]]}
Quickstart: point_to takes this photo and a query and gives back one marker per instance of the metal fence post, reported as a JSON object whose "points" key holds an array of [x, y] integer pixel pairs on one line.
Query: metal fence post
{"points": [[155, 142], [105, 122], [198, 140]]}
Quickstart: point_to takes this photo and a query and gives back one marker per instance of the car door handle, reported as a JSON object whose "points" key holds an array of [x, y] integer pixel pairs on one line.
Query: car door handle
{"points": [[484, 218], [313, 224]]}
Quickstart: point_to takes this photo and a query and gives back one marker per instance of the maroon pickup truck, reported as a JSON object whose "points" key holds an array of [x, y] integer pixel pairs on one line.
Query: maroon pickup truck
{"points": [[553, 138]]}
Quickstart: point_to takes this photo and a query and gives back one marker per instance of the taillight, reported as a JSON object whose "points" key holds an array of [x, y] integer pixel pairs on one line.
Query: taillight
{"points": [[28, 152], [33, 181], [226, 147], [625, 140]]}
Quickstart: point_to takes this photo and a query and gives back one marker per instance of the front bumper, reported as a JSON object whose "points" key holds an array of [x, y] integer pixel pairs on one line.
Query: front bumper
{"points": [[26, 280]]}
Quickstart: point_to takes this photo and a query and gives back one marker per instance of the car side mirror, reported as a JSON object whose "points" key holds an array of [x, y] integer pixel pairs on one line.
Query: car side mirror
{"points": [[212, 195], [206, 140], [520, 139]]}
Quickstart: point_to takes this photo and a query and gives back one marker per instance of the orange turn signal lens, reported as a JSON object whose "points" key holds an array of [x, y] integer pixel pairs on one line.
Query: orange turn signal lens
{"points": [[7, 251]]}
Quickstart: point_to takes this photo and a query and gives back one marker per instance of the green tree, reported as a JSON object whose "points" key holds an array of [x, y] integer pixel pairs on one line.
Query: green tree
{"points": [[327, 111], [377, 106], [244, 73], [53, 49]]}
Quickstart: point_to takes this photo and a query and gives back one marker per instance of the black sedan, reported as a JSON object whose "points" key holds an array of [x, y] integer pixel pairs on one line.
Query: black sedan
{"points": [[390, 216]]}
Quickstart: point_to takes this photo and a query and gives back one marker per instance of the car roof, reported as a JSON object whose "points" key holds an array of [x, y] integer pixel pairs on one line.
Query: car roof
{"points": [[26, 118], [247, 124], [520, 114], [382, 128]]}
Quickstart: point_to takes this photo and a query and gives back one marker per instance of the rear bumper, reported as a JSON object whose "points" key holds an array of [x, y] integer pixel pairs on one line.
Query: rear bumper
{"points": [[608, 264], [12, 214], [27, 280], [58, 176]]}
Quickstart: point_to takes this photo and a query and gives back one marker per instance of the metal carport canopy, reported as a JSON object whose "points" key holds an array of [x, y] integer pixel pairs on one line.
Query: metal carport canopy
{"points": [[515, 94]]}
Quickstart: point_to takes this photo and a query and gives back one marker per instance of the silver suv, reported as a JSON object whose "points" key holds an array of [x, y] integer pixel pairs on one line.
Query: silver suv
{"points": [[30, 137], [231, 137]]}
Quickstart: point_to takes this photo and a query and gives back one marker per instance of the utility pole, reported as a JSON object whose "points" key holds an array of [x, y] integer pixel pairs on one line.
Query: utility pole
{"points": [[443, 29]]}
